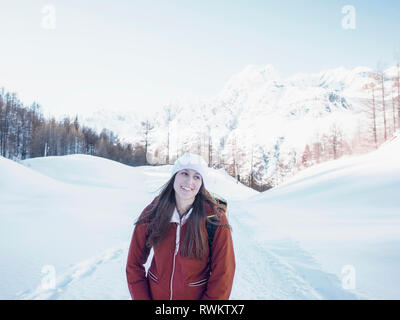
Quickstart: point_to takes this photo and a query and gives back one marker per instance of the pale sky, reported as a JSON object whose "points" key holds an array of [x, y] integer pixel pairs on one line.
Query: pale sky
{"points": [[79, 56]]}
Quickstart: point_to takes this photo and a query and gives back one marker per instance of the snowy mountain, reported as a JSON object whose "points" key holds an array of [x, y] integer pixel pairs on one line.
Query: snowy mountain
{"points": [[258, 113], [330, 232], [125, 125]]}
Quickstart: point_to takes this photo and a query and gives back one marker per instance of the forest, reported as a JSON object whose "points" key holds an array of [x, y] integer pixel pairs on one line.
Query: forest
{"points": [[25, 133]]}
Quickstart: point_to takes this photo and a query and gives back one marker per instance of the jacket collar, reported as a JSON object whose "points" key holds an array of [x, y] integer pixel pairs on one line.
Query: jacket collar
{"points": [[177, 219]]}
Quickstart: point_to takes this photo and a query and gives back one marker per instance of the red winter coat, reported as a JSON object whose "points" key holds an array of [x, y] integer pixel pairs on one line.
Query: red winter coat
{"points": [[171, 276]]}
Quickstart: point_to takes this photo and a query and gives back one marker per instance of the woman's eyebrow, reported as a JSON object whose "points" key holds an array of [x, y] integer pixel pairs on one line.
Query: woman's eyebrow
{"points": [[195, 174]]}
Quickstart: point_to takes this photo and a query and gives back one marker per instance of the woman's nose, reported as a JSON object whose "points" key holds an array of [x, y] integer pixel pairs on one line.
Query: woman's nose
{"points": [[190, 180]]}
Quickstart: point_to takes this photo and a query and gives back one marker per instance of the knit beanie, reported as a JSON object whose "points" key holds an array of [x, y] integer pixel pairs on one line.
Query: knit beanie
{"points": [[191, 161]]}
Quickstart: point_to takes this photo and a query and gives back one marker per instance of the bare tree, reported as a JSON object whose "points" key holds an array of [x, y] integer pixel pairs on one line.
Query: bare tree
{"points": [[251, 175], [170, 113], [396, 84], [316, 152], [336, 139], [306, 157], [147, 128], [393, 109], [371, 109], [379, 75]]}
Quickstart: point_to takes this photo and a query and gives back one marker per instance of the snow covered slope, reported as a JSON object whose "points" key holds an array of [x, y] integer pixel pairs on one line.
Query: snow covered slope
{"points": [[345, 213], [76, 214], [73, 217]]}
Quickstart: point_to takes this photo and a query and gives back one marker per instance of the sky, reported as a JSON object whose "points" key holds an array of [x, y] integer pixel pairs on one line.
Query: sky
{"points": [[81, 56]]}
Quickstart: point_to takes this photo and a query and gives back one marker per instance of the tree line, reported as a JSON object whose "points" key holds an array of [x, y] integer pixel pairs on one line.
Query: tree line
{"points": [[25, 133]]}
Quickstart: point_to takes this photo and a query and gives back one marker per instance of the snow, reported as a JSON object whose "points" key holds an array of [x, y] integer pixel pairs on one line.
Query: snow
{"points": [[257, 104], [73, 216], [345, 212]]}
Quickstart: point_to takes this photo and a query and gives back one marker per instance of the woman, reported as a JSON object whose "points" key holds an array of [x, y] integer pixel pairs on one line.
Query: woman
{"points": [[185, 265]]}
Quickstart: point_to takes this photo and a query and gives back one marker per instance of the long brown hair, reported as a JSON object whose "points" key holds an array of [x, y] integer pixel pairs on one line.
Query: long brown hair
{"points": [[195, 241]]}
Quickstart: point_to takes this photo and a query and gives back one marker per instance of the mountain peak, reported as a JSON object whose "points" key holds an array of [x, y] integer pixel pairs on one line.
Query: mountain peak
{"points": [[254, 73], [252, 77]]}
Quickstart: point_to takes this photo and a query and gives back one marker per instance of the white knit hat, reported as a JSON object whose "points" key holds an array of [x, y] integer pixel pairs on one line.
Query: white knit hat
{"points": [[194, 162]]}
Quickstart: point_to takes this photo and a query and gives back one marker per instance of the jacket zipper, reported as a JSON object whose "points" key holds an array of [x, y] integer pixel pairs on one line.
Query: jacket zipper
{"points": [[177, 240]]}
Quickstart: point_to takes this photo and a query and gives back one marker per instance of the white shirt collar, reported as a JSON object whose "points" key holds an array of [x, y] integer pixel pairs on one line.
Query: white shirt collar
{"points": [[176, 218]]}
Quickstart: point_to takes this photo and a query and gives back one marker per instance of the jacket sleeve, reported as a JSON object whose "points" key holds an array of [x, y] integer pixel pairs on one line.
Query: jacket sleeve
{"points": [[137, 257], [219, 284]]}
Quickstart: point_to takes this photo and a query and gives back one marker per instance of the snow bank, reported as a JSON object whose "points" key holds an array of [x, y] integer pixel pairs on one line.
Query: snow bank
{"points": [[345, 213], [72, 218]]}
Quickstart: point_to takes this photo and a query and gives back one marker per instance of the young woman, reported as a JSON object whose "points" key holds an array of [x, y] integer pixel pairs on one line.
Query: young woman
{"points": [[185, 265]]}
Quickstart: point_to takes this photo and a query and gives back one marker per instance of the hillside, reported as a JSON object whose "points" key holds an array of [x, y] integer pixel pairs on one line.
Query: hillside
{"points": [[296, 241]]}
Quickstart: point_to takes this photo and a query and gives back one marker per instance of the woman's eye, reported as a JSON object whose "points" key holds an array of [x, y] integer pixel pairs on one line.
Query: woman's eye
{"points": [[186, 174]]}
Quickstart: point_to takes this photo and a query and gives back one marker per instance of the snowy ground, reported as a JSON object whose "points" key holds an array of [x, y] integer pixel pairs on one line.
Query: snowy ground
{"points": [[332, 232]]}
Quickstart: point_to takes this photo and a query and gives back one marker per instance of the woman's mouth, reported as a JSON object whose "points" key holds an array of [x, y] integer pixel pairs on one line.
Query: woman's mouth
{"points": [[186, 189]]}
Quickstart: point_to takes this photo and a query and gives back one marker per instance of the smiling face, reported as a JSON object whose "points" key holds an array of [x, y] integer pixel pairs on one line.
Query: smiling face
{"points": [[187, 184]]}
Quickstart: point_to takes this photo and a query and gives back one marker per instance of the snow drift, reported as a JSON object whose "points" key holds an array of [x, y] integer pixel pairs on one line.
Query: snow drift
{"points": [[331, 232]]}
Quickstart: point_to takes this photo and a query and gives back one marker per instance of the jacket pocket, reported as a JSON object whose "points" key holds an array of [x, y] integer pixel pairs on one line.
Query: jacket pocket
{"points": [[198, 283], [152, 276]]}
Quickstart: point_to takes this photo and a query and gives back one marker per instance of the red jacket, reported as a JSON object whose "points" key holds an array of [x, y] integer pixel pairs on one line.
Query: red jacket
{"points": [[171, 276]]}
